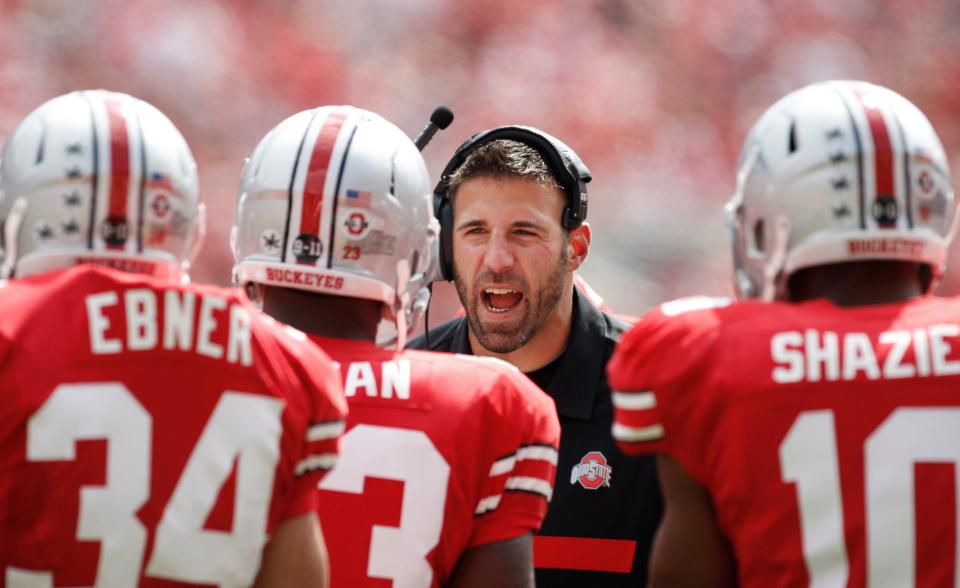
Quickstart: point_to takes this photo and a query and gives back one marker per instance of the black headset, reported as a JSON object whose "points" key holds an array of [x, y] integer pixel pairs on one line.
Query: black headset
{"points": [[570, 172]]}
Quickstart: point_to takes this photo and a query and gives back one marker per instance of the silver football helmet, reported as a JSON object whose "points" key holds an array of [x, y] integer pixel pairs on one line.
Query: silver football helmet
{"points": [[838, 171], [337, 200], [101, 178]]}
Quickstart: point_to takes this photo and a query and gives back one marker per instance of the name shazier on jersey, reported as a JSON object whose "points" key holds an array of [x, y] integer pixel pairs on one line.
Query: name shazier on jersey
{"points": [[814, 355]]}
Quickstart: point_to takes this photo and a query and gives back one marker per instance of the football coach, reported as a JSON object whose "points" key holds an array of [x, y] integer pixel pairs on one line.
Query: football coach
{"points": [[512, 204]]}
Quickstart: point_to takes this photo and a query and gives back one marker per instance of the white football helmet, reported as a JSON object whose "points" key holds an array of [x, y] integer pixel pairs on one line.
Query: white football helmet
{"points": [[838, 171], [101, 178], [337, 200]]}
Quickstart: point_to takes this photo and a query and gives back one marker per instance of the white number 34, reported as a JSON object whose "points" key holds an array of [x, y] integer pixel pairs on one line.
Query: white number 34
{"points": [[243, 427]]}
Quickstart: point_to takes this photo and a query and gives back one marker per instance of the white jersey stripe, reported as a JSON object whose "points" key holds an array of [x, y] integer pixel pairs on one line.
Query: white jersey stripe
{"points": [[538, 452], [634, 401], [18, 578], [636, 434], [487, 504], [502, 466], [324, 431], [316, 462], [529, 484], [530, 452]]}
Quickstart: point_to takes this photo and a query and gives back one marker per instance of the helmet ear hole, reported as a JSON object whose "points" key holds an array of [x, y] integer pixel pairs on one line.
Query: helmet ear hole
{"points": [[792, 138], [414, 262], [758, 236], [925, 275], [254, 291]]}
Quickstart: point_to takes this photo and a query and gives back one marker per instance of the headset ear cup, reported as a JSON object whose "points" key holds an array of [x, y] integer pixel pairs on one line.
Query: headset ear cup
{"points": [[445, 216]]}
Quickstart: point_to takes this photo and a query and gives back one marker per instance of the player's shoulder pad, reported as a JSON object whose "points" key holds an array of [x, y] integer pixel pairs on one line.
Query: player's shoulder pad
{"points": [[477, 365], [667, 341], [495, 380]]}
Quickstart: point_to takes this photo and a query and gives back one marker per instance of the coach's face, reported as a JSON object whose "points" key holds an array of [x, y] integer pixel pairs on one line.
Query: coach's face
{"points": [[512, 259]]}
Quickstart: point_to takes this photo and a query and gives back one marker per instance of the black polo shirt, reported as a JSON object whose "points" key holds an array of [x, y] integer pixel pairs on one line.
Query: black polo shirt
{"points": [[606, 506]]}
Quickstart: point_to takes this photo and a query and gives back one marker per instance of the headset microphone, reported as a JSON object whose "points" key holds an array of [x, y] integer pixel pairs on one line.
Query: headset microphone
{"points": [[439, 120]]}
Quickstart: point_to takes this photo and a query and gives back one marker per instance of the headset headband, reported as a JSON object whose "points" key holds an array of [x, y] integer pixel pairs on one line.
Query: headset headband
{"points": [[567, 168], [571, 173]]}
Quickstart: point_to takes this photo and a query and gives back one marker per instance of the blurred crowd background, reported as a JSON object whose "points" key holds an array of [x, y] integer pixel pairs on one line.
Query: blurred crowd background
{"points": [[655, 95]]}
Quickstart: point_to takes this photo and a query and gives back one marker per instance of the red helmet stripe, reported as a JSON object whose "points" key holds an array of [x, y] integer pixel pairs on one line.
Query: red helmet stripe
{"points": [[317, 173], [884, 172], [119, 166]]}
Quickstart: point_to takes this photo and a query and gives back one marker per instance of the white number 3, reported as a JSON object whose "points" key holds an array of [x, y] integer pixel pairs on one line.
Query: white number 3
{"points": [[397, 553], [244, 425]]}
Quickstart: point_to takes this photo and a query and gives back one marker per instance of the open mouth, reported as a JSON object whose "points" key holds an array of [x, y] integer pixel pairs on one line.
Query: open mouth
{"points": [[500, 300]]}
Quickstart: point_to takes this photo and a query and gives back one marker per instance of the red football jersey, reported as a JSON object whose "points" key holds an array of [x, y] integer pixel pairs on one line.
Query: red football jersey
{"points": [[152, 434], [442, 453], [828, 438]]}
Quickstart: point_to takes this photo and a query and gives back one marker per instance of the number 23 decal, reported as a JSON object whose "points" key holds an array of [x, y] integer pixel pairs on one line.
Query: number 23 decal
{"points": [[351, 252]]}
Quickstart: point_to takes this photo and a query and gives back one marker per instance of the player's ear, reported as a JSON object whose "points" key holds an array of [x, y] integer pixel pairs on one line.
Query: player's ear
{"points": [[578, 243], [254, 292]]}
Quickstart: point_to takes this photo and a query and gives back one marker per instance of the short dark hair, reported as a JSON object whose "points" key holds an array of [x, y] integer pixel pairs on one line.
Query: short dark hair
{"points": [[501, 159]]}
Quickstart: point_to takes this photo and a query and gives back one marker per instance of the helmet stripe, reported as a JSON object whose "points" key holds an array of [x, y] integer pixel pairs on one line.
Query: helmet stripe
{"points": [[317, 176], [141, 197], [883, 159], [336, 195], [117, 225], [859, 143], [908, 197], [294, 174], [95, 173]]}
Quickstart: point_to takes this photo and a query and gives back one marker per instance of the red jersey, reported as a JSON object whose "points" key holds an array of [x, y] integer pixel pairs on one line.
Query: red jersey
{"points": [[442, 453], [151, 433], [828, 438]]}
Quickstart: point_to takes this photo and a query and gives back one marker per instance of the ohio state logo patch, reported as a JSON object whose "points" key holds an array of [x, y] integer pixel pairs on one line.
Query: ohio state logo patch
{"points": [[592, 472]]}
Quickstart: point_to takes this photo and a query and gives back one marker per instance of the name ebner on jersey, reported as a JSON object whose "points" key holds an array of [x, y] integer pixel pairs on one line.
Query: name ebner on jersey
{"points": [[172, 329]]}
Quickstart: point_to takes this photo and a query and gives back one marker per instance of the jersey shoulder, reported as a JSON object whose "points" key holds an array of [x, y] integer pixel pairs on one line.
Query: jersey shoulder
{"points": [[670, 340], [494, 390], [214, 310], [487, 377]]}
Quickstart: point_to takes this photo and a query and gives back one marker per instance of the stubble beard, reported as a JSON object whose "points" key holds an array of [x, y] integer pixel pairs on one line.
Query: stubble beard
{"points": [[505, 338]]}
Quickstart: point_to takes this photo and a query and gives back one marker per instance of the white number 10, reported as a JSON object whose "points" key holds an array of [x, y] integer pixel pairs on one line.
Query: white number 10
{"points": [[243, 427], [808, 457]]}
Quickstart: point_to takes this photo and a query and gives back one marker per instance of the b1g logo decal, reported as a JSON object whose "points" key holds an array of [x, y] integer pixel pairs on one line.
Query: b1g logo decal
{"points": [[160, 205], [114, 231], [307, 248], [885, 211], [592, 472]]}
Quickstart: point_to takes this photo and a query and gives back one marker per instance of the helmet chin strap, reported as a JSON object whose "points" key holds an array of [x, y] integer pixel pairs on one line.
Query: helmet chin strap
{"points": [[745, 288], [11, 235], [773, 269], [401, 302], [733, 218], [234, 275]]}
